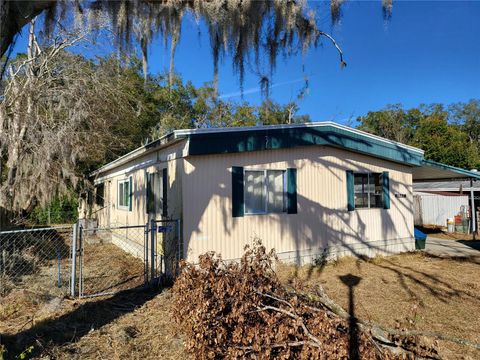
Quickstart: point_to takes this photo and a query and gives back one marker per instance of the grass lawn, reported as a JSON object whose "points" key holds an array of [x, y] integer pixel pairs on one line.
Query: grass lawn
{"points": [[414, 290]]}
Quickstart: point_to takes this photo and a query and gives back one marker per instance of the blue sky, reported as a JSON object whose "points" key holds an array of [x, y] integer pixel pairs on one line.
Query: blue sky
{"points": [[428, 52]]}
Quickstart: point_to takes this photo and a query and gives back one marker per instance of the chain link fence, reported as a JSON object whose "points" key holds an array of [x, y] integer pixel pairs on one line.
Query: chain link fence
{"points": [[36, 259], [111, 259], [117, 258], [105, 260]]}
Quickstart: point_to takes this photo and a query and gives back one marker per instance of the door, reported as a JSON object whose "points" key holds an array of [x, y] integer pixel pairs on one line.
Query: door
{"points": [[157, 195]]}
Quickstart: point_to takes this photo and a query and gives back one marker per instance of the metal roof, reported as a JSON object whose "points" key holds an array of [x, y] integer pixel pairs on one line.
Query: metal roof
{"points": [[433, 171], [453, 185], [270, 137]]}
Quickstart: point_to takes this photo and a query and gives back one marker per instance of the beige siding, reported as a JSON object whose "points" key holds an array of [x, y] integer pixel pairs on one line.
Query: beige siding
{"points": [[112, 215], [322, 220]]}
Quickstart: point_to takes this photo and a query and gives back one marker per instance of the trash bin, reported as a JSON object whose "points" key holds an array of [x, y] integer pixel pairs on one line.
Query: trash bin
{"points": [[420, 239], [450, 225]]}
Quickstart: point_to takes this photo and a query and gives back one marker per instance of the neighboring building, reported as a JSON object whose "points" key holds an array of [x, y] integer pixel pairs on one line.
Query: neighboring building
{"points": [[306, 190], [468, 188], [435, 207]]}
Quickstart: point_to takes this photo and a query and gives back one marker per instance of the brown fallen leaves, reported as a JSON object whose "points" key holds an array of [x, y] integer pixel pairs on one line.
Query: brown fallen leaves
{"points": [[241, 310]]}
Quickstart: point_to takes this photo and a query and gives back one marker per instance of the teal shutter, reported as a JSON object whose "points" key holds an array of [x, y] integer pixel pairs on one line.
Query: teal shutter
{"points": [[164, 192], [350, 191], [130, 198], [147, 195], [291, 191], [386, 190], [238, 203], [149, 198]]}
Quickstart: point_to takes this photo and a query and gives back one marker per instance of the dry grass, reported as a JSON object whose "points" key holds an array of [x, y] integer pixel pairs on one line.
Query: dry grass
{"points": [[36, 313], [148, 332], [414, 290], [107, 268], [135, 324], [434, 294]]}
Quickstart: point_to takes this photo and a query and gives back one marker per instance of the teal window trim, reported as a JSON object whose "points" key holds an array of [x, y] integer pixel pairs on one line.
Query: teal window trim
{"points": [[147, 192], [386, 189], [165, 192], [350, 191], [291, 190], [130, 194], [238, 202]]}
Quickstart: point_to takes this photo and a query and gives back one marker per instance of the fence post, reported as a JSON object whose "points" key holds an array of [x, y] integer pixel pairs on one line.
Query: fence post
{"points": [[74, 260], [152, 249], [145, 275], [81, 244]]}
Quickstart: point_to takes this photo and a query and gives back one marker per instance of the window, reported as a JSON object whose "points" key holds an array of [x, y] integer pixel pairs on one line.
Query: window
{"points": [[100, 194], [368, 190], [157, 192], [265, 191], [124, 194]]}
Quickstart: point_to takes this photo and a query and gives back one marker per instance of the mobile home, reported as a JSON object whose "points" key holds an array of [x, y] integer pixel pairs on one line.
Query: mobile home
{"points": [[309, 190]]}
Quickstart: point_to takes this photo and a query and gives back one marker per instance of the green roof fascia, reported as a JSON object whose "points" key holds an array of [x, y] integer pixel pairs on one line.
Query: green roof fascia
{"points": [[460, 171], [282, 138]]}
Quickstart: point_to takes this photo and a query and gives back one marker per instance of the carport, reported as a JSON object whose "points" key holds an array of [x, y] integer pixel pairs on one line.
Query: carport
{"points": [[434, 176]]}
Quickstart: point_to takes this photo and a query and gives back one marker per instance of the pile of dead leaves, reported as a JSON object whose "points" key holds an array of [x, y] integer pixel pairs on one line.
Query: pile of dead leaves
{"points": [[241, 310]]}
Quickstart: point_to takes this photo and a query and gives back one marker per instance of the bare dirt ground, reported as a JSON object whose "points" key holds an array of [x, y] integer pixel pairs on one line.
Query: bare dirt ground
{"points": [[414, 290], [134, 324], [36, 316]]}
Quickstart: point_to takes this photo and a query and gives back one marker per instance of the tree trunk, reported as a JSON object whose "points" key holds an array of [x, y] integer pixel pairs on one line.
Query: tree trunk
{"points": [[14, 15]]}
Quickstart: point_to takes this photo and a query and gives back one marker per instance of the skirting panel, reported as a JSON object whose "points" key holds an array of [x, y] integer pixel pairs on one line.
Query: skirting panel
{"points": [[370, 249]]}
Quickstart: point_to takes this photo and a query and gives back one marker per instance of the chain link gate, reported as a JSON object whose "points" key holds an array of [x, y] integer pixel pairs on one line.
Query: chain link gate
{"points": [[165, 249], [117, 258]]}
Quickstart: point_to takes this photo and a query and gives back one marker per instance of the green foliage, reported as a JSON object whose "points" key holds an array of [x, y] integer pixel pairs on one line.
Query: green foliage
{"points": [[103, 108], [467, 116], [445, 143], [25, 354], [449, 136], [61, 210], [392, 123], [182, 106]]}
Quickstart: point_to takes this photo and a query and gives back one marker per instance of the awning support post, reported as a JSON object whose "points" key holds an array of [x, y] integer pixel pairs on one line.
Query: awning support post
{"points": [[473, 215]]}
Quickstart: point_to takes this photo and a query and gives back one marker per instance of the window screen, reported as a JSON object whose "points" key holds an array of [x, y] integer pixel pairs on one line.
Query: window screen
{"points": [[156, 193], [275, 191], [255, 192], [264, 191]]}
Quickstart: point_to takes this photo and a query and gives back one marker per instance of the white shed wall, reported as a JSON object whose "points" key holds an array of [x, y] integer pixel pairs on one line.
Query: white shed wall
{"points": [[435, 209]]}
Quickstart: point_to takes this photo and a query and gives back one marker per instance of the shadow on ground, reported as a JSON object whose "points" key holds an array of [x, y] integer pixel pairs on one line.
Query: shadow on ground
{"points": [[74, 325], [474, 244]]}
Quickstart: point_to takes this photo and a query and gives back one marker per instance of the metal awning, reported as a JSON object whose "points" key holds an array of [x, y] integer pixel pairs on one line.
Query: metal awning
{"points": [[433, 171]]}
